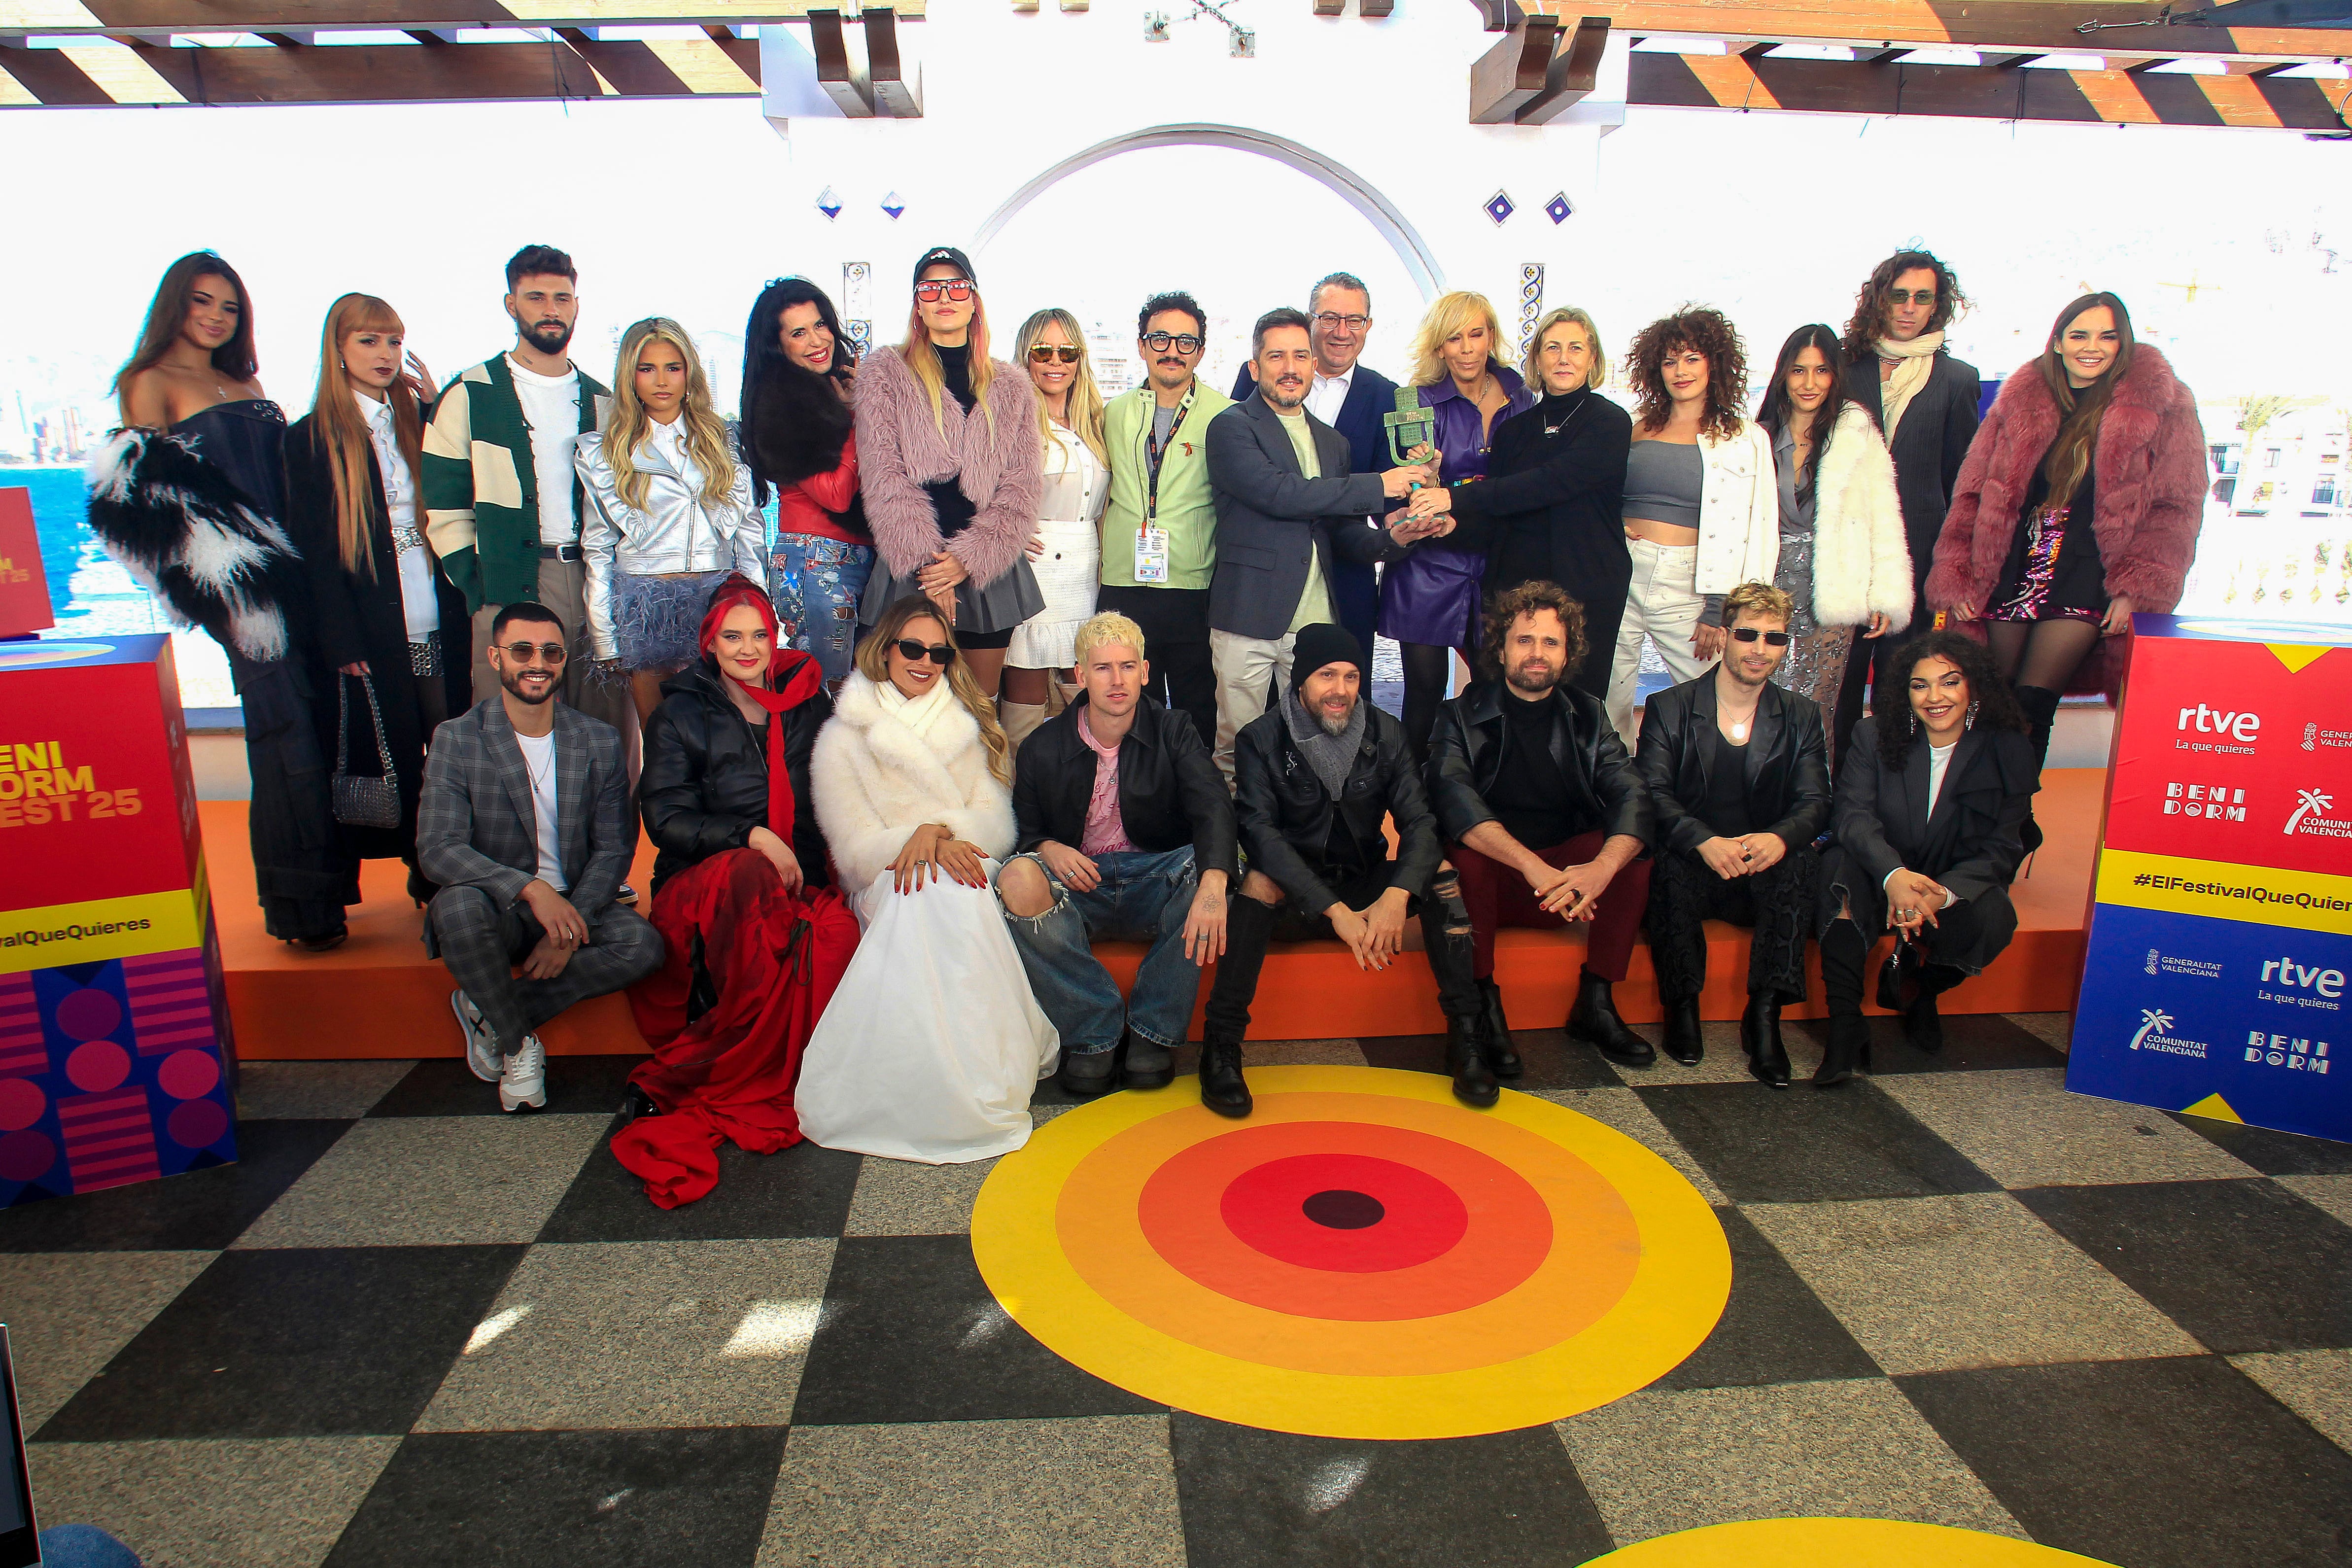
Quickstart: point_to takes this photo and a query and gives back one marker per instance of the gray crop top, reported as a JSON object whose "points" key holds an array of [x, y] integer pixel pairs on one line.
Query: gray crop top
{"points": [[1664, 481]]}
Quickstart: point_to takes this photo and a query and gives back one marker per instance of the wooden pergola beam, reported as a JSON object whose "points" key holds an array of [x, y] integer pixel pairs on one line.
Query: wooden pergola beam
{"points": [[1506, 77], [158, 19]]}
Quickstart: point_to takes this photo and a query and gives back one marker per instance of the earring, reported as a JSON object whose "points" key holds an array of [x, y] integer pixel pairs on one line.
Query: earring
{"points": [[1969, 722]]}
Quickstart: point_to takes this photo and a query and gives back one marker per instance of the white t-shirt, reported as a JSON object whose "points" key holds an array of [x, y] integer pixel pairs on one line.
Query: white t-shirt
{"points": [[550, 405], [418, 605], [539, 760]]}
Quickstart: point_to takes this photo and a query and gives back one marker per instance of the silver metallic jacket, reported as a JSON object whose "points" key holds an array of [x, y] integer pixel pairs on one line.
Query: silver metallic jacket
{"points": [[677, 532]]}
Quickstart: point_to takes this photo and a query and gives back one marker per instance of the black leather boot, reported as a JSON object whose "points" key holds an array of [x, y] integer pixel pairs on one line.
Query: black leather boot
{"points": [[2040, 705], [1759, 1033], [1923, 1026], [1501, 1056], [1594, 1021], [1223, 1089], [1089, 1073], [1148, 1064], [1849, 1047], [1474, 1081], [1686, 1041]]}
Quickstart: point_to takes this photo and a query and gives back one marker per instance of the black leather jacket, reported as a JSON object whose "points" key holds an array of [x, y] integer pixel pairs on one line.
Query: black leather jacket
{"points": [[705, 784], [1787, 762], [1286, 813], [1465, 757], [1170, 791]]}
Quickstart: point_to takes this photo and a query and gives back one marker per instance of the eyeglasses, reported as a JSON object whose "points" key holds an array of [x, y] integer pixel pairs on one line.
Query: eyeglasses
{"points": [[1158, 342], [1331, 321], [1046, 354], [1911, 295], [914, 652], [1750, 634], [952, 287], [549, 652]]}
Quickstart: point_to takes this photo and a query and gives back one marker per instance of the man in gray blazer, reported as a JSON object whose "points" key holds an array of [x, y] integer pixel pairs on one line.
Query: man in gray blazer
{"points": [[524, 822], [1280, 521]]}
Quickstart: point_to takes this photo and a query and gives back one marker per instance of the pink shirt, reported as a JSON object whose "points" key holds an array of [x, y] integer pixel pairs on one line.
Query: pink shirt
{"points": [[1105, 833]]}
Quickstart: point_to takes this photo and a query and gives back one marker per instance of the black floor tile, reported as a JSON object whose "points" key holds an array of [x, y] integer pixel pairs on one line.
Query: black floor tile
{"points": [[803, 1191], [292, 1343], [1973, 1042], [2173, 1463], [694, 1498], [2243, 1266], [1270, 1498], [1773, 1330], [2271, 1154], [911, 1333], [1553, 1061], [201, 1210], [1809, 1146], [445, 1086]]}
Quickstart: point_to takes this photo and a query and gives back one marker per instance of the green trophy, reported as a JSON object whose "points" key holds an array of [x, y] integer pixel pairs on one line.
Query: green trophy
{"points": [[1410, 427]]}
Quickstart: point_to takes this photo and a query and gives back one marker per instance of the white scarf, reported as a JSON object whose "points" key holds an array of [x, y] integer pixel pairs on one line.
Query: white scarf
{"points": [[918, 713], [1914, 362]]}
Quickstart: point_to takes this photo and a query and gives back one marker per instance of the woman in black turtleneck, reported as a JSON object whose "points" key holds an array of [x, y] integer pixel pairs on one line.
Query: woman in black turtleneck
{"points": [[1548, 509]]}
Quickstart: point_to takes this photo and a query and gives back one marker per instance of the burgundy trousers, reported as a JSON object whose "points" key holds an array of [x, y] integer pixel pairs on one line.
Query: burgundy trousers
{"points": [[1498, 896]]}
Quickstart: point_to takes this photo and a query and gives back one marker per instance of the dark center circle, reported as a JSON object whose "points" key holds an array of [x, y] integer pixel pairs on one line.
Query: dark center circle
{"points": [[1339, 1209]]}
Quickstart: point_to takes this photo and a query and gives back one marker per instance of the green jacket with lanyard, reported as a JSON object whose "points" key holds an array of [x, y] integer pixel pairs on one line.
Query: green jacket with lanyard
{"points": [[1188, 509]]}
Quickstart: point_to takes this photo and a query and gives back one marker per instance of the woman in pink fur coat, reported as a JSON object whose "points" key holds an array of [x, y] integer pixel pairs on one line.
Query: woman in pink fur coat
{"points": [[2079, 503], [949, 464]]}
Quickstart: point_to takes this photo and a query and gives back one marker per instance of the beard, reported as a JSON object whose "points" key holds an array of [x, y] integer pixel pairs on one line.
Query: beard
{"points": [[512, 680], [1534, 684], [548, 337], [1336, 726]]}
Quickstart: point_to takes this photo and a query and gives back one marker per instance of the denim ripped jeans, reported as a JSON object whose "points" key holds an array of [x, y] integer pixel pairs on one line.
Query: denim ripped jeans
{"points": [[815, 584], [1143, 895]]}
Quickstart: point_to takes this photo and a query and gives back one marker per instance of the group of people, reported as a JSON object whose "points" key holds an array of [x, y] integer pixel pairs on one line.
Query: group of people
{"points": [[1016, 667]]}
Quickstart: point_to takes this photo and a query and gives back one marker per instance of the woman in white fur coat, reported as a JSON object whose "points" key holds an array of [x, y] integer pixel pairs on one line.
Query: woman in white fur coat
{"points": [[932, 1044], [1843, 556]]}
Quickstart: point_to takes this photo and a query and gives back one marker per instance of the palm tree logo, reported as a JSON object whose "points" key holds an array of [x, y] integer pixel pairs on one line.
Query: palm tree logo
{"points": [[2308, 801], [2153, 1020]]}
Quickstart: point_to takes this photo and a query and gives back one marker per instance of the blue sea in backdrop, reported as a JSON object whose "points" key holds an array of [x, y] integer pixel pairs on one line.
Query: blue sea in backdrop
{"points": [[92, 596]]}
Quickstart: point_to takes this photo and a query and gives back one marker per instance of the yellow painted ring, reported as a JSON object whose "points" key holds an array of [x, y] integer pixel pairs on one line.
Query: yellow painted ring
{"points": [[1838, 1543], [1678, 1287]]}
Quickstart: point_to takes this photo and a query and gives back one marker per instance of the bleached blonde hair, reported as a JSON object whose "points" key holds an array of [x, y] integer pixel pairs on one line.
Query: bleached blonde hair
{"points": [[1451, 313], [1104, 629], [1533, 369], [626, 423]]}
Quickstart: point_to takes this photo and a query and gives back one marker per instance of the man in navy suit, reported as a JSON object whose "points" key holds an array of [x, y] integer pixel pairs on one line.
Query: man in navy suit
{"points": [[1350, 398]]}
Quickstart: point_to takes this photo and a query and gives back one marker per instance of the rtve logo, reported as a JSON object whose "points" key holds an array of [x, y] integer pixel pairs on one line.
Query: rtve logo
{"points": [[2286, 971], [2205, 721]]}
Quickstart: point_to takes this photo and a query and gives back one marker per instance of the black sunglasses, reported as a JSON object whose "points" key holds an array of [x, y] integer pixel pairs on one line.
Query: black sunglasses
{"points": [[914, 652], [549, 652], [1750, 634]]}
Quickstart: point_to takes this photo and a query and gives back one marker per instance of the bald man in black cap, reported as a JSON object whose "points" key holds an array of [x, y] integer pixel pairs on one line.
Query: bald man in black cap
{"points": [[1315, 775]]}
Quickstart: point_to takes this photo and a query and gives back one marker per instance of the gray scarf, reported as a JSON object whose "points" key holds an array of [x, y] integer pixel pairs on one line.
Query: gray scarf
{"points": [[1331, 756]]}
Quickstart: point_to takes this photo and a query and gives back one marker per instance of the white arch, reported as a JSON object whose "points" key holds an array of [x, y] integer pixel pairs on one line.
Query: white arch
{"points": [[1420, 262]]}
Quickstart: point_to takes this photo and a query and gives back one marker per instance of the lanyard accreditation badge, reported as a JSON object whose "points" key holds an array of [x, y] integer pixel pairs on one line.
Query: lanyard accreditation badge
{"points": [[1151, 539]]}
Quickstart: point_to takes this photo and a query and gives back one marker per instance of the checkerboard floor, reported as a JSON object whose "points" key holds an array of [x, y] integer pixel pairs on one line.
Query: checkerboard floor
{"points": [[405, 1329]]}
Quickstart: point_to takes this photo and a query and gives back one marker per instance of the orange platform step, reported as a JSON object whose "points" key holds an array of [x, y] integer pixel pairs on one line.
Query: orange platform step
{"points": [[379, 996]]}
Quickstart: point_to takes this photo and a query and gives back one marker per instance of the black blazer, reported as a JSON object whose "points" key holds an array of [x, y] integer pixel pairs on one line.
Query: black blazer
{"points": [[705, 784], [1786, 763], [1465, 757], [1929, 444], [355, 620], [1269, 513], [1970, 843], [1286, 813], [1170, 793]]}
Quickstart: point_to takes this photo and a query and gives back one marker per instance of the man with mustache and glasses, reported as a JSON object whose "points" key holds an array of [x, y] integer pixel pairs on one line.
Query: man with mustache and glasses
{"points": [[1350, 397], [1287, 504], [1159, 524], [502, 502]]}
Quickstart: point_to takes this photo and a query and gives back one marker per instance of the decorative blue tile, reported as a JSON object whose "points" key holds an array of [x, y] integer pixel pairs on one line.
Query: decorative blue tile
{"points": [[1559, 208], [1500, 208]]}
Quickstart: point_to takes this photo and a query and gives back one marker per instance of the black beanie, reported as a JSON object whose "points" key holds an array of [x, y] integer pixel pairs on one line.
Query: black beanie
{"points": [[1323, 644]]}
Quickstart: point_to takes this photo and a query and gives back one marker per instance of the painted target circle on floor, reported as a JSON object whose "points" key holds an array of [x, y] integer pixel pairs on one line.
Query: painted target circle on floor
{"points": [[1843, 1542], [1363, 1256]]}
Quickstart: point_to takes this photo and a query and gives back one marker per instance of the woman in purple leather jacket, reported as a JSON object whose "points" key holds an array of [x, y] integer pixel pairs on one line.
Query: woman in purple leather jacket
{"points": [[1430, 601]]}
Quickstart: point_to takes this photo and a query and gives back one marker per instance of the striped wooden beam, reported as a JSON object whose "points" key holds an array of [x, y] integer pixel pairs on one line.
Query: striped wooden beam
{"points": [[158, 19], [2108, 97]]}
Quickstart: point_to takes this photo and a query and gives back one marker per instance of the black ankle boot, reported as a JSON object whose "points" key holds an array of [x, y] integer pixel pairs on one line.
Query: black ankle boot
{"points": [[1594, 1021], [1686, 1041], [1923, 1026], [1495, 1030], [1223, 1089], [1849, 1047], [1759, 1033], [1148, 1064], [1474, 1081], [1089, 1073]]}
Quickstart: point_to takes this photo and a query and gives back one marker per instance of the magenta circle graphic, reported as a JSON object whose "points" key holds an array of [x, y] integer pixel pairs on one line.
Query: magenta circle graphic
{"points": [[26, 1156], [98, 1066], [21, 1103], [88, 1014], [196, 1123], [187, 1074]]}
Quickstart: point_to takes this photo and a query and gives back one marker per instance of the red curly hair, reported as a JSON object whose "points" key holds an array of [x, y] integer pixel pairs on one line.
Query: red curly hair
{"points": [[1711, 333]]}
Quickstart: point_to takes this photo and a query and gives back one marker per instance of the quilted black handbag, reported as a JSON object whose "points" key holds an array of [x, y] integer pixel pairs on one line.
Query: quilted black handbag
{"points": [[362, 800]]}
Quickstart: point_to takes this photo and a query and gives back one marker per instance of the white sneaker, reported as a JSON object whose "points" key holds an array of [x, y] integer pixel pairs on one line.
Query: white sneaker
{"points": [[481, 1044], [525, 1080]]}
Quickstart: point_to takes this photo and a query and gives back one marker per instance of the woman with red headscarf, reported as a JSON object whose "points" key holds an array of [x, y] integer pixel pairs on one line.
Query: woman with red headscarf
{"points": [[757, 936]]}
